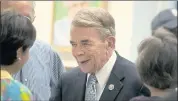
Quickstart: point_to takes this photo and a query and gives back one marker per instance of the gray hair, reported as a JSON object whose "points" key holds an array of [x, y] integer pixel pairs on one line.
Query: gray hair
{"points": [[97, 18], [157, 60]]}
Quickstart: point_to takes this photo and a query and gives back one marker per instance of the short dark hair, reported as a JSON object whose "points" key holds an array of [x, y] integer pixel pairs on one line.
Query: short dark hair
{"points": [[166, 32], [16, 31], [171, 31], [157, 60]]}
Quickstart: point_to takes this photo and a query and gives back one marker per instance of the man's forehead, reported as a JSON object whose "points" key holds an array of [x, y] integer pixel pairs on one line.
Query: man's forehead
{"points": [[81, 34], [82, 39]]}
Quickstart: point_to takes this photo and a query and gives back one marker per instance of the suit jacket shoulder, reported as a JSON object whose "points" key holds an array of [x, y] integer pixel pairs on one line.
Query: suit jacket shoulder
{"points": [[72, 85], [70, 74]]}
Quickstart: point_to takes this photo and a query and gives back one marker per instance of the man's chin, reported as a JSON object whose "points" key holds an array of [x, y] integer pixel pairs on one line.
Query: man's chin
{"points": [[84, 69]]}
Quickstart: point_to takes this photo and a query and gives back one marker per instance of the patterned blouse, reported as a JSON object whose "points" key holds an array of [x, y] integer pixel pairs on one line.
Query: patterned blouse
{"points": [[12, 90]]}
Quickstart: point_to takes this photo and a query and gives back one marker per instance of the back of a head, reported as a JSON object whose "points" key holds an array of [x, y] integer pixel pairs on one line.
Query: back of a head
{"points": [[163, 33], [157, 60], [25, 8], [16, 31], [97, 18]]}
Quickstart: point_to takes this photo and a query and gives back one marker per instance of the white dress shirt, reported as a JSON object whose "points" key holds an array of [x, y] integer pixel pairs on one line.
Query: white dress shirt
{"points": [[103, 74]]}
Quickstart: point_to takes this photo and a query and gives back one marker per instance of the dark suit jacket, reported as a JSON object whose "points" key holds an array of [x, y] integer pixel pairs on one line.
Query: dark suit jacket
{"points": [[124, 76]]}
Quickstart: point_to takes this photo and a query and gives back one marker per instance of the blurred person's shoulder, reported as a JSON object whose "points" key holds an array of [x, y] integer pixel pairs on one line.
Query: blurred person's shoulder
{"points": [[40, 46], [41, 50]]}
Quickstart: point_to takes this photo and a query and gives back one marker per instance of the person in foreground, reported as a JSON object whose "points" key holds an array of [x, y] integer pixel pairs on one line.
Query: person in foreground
{"points": [[42, 71], [102, 74], [157, 65], [17, 36]]}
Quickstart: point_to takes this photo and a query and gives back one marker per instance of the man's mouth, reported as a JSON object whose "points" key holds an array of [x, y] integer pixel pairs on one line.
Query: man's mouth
{"points": [[84, 62]]}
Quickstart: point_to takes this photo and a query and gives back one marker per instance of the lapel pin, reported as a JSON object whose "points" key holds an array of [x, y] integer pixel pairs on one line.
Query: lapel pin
{"points": [[111, 87]]}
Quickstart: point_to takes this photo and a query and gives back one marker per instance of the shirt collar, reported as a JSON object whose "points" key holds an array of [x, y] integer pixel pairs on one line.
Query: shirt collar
{"points": [[103, 74], [5, 74]]}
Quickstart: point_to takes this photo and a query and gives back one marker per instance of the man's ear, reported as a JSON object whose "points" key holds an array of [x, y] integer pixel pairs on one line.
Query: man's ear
{"points": [[111, 42]]}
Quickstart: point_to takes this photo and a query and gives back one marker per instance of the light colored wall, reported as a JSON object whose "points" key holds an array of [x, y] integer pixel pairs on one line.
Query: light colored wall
{"points": [[43, 20], [122, 13]]}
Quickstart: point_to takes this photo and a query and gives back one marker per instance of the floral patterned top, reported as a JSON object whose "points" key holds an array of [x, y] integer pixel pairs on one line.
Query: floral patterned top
{"points": [[12, 90]]}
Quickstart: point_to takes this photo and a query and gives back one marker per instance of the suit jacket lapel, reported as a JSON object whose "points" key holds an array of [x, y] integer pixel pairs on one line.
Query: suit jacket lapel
{"points": [[116, 77], [79, 86]]}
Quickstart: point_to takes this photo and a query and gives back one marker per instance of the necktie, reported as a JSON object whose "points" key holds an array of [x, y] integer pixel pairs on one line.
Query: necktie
{"points": [[90, 94]]}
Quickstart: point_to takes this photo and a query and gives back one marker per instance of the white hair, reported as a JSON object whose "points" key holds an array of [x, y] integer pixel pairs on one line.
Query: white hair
{"points": [[97, 18]]}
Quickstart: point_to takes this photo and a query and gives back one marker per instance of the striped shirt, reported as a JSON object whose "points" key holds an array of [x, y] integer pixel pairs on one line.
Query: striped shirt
{"points": [[42, 71]]}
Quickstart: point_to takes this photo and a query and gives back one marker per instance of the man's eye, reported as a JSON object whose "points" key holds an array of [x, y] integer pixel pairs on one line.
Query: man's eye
{"points": [[85, 44], [74, 45]]}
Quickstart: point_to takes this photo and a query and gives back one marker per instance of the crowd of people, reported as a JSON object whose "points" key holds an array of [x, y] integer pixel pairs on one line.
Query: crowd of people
{"points": [[32, 71]]}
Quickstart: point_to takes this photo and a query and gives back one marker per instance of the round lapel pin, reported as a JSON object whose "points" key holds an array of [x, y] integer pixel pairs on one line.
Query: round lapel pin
{"points": [[111, 87]]}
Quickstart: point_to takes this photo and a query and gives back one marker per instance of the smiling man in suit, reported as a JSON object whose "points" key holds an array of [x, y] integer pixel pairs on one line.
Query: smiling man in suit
{"points": [[102, 74]]}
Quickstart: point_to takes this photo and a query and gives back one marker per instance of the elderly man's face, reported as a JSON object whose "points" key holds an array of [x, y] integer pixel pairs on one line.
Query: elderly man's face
{"points": [[88, 49]]}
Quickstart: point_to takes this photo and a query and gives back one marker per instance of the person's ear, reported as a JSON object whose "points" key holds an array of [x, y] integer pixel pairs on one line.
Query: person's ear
{"points": [[110, 42], [19, 53]]}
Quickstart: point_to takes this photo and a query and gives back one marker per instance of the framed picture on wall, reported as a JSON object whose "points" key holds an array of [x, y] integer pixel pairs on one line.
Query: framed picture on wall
{"points": [[63, 13]]}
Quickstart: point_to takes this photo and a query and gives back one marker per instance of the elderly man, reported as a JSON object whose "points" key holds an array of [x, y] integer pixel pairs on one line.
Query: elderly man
{"points": [[102, 75], [43, 70]]}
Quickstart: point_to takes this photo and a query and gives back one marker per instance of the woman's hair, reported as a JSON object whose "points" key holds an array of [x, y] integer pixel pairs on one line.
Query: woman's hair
{"points": [[16, 31], [171, 31], [157, 60]]}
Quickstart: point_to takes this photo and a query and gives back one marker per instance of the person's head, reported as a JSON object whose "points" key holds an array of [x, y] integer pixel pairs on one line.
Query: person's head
{"points": [[92, 38], [17, 36], [157, 61], [25, 8], [166, 19]]}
